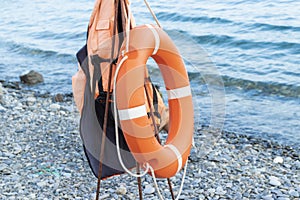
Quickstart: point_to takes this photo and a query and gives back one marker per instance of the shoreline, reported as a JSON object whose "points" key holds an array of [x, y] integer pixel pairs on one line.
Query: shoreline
{"points": [[42, 158]]}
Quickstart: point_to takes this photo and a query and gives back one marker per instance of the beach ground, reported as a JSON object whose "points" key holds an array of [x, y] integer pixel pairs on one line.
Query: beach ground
{"points": [[41, 157]]}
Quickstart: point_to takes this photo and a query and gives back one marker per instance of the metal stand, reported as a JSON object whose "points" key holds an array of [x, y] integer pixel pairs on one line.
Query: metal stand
{"points": [[156, 130], [107, 103]]}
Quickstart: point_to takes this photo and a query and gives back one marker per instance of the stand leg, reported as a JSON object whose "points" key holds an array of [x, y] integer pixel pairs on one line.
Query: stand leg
{"points": [[171, 188], [139, 181], [157, 136], [100, 165]]}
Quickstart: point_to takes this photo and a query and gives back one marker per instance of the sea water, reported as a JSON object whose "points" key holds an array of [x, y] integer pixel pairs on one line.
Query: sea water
{"points": [[243, 56]]}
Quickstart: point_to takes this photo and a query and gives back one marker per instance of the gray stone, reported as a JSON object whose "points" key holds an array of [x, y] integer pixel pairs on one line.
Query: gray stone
{"points": [[297, 164], [121, 190], [2, 109], [32, 78], [59, 98], [268, 197], [1, 94], [17, 148], [293, 193], [31, 196], [274, 181], [42, 184], [211, 191], [220, 191], [54, 107], [104, 196], [283, 198], [229, 185], [277, 192], [149, 189], [247, 146], [238, 195], [3, 167], [31, 99], [67, 175], [6, 171], [278, 160]]}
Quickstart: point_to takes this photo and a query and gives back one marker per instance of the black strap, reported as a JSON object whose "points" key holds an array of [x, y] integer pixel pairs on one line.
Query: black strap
{"points": [[155, 101], [154, 98]]}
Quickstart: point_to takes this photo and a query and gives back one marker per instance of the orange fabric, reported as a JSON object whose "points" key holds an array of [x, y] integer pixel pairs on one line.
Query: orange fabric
{"points": [[99, 43], [78, 86], [101, 35]]}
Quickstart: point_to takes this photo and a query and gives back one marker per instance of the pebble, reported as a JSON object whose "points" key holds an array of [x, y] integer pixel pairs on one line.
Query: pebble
{"points": [[54, 107], [1, 94], [31, 99], [297, 164], [17, 148], [104, 196], [59, 98], [229, 185], [32, 78], [149, 189], [274, 181], [268, 197], [293, 193], [3, 167], [220, 191], [41, 157], [278, 160], [2, 109], [121, 190], [42, 184], [211, 191], [32, 196], [283, 198]]}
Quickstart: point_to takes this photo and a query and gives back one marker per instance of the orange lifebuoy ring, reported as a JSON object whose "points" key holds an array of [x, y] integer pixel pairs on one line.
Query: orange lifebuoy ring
{"points": [[149, 41]]}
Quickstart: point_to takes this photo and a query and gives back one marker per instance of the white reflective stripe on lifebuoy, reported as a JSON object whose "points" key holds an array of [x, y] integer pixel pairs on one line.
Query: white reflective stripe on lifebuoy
{"points": [[133, 113], [178, 155], [179, 92], [156, 37]]}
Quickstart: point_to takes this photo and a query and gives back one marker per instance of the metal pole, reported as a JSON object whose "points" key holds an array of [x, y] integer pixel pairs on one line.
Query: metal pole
{"points": [[156, 131], [107, 103], [139, 180]]}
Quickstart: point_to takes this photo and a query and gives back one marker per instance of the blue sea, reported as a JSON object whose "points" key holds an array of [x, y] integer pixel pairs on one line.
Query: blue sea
{"points": [[243, 57]]}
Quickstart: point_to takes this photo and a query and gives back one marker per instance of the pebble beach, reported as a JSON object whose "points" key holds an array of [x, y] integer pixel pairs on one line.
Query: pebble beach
{"points": [[41, 157]]}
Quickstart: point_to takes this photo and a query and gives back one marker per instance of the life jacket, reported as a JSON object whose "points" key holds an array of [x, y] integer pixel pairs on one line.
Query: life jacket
{"points": [[90, 87]]}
